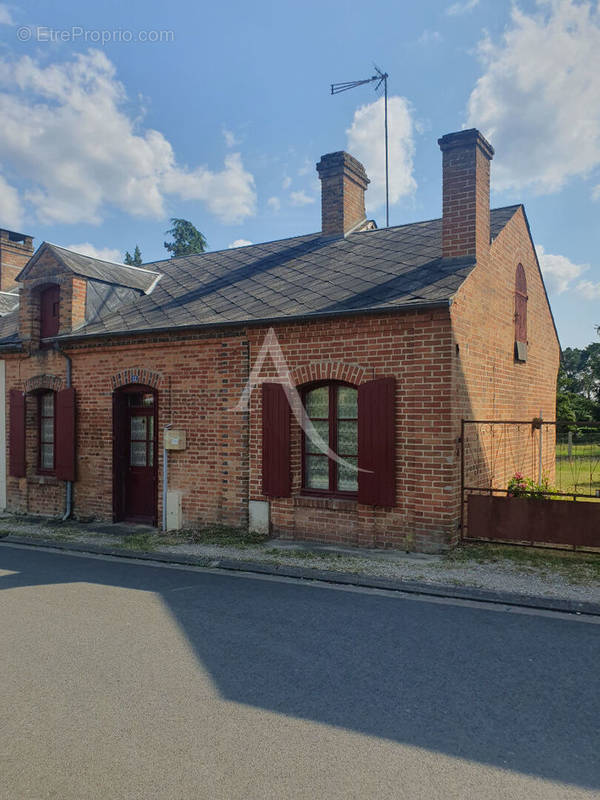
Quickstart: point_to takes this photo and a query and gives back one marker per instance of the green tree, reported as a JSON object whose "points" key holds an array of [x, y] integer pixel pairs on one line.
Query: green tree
{"points": [[134, 260], [187, 239]]}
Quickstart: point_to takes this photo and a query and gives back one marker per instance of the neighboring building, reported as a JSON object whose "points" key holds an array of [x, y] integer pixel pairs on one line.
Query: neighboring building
{"points": [[391, 336]]}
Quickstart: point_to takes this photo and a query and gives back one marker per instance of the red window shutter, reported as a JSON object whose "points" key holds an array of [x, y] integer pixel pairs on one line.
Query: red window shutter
{"points": [[520, 305], [49, 311], [377, 442], [275, 441], [17, 434], [65, 434]]}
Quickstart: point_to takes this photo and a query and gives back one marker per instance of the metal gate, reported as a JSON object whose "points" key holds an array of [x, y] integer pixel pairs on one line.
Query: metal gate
{"points": [[561, 462]]}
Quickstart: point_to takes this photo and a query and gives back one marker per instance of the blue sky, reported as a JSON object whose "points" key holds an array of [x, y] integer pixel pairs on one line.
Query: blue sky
{"points": [[222, 119]]}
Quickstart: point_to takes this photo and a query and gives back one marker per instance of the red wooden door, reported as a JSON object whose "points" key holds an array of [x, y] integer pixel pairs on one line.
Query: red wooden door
{"points": [[136, 456]]}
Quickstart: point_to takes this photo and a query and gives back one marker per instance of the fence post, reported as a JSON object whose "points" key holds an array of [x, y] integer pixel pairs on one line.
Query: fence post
{"points": [[541, 456]]}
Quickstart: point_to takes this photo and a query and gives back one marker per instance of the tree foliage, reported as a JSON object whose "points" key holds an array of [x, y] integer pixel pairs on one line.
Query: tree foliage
{"points": [[578, 390], [187, 239], [134, 260]]}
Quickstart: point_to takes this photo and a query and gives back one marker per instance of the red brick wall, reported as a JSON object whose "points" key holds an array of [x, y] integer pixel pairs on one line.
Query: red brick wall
{"points": [[415, 348], [13, 257], [198, 382], [488, 383]]}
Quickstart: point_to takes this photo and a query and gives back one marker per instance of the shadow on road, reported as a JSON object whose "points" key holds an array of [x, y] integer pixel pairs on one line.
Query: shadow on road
{"points": [[518, 692]]}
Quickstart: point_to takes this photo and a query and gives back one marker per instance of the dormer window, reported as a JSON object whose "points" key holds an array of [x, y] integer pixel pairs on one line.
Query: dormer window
{"points": [[49, 311]]}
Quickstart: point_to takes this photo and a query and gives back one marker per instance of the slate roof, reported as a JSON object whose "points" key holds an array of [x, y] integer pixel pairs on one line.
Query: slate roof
{"points": [[140, 278], [305, 276], [9, 301]]}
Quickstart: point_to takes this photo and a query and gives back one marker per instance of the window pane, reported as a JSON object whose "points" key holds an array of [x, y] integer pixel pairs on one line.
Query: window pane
{"points": [[317, 472], [138, 454], [47, 430], [151, 428], [348, 475], [347, 400], [140, 399], [317, 402], [47, 456], [138, 427], [322, 429], [48, 404], [151, 454], [347, 442]]}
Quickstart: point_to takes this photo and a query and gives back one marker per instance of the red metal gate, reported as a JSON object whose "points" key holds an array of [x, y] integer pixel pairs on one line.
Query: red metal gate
{"points": [[560, 464]]}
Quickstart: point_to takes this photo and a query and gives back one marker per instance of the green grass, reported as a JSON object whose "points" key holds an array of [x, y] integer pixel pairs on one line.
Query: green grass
{"points": [[576, 567], [578, 450], [578, 475]]}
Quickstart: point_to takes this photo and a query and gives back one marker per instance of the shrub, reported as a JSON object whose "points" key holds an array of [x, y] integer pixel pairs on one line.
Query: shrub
{"points": [[520, 486]]}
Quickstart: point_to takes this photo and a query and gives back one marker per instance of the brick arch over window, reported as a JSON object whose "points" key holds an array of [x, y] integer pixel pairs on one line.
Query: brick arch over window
{"points": [[136, 375], [330, 371], [51, 382]]}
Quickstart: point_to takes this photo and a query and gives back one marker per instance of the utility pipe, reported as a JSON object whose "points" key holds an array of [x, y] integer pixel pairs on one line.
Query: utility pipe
{"points": [[69, 495], [165, 476]]}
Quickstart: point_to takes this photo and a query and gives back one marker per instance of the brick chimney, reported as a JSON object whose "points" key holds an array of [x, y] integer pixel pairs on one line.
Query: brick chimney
{"points": [[15, 251], [466, 157], [343, 185]]}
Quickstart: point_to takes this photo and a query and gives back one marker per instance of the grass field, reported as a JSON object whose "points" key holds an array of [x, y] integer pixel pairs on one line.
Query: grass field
{"points": [[578, 474]]}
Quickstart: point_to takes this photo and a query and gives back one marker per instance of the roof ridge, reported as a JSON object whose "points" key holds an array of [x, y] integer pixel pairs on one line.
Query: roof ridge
{"points": [[101, 260]]}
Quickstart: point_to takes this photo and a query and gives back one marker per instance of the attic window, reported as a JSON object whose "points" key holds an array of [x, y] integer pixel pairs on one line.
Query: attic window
{"points": [[49, 312]]}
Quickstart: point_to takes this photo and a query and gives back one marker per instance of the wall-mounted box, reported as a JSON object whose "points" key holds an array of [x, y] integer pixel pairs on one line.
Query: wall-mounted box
{"points": [[175, 440]]}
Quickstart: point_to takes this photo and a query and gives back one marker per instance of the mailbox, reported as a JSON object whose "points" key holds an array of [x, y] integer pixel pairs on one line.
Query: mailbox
{"points": [[174, 440]]}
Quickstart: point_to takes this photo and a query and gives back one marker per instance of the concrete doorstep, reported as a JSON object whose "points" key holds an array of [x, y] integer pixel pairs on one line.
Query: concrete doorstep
{"points": [[312, 574]]}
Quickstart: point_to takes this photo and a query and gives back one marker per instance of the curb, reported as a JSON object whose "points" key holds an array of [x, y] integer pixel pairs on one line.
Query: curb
{"points": [[343, 578]]}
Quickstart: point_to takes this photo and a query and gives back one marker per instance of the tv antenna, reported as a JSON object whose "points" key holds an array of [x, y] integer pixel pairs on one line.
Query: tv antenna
{"points": [[381, 78]]}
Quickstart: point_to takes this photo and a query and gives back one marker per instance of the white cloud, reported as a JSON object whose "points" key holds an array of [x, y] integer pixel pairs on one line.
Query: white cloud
{"points": [[104, 253], [274, 204], [596, 192], [366, 142], [66, 130], [538, 100], [461, 7], [5, 15], [231, 139], [240, 243], [11, 209], [229, 194], [301, 199], [286, 182], [559, 272], [589, 290]]}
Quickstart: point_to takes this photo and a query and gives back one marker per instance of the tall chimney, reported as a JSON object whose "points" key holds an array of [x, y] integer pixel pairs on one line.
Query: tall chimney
{"points": [[15, 251], [343, 185], [466, 157]]}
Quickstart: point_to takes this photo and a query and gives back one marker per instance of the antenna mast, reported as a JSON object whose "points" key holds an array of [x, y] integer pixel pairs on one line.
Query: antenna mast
{"points": [[381, 78]]}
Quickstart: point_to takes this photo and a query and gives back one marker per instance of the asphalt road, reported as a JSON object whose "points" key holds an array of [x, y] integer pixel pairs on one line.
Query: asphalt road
{"points": [[125, 680]]}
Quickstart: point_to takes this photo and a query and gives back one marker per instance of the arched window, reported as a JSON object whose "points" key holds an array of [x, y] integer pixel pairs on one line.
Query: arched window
{"points": [[332, 408], [49, 311], [46, 431], [520, 314]]}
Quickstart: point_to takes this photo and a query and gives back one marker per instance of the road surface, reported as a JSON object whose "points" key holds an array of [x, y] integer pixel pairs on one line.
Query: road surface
{"points": [[128, 680]]}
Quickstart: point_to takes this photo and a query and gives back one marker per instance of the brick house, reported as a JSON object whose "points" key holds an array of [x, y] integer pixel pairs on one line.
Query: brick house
{"points": [[390, 337]]}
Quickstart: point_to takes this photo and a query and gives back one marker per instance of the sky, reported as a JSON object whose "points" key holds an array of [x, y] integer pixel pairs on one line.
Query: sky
{"points": [[117, 116]]}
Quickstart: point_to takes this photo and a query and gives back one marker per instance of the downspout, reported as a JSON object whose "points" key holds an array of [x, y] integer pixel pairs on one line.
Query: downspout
{"points": [[69, 497]]}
